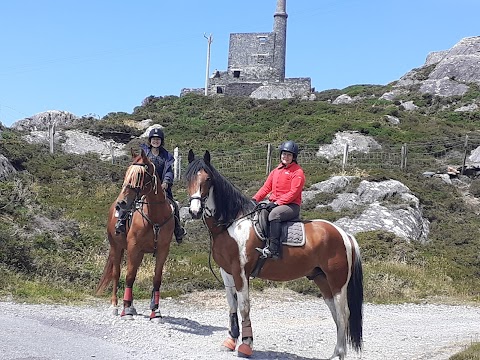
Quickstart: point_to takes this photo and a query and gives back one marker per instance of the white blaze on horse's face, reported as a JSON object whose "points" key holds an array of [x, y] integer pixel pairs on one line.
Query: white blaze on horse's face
{"points": [[196, 202]]}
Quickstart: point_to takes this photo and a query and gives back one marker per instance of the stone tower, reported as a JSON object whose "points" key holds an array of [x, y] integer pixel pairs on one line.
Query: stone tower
{"points": [[280, 31], [256, 65]]}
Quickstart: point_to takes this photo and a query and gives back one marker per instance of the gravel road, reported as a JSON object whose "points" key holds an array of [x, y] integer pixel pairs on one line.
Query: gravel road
{"points": [[286, 325]]}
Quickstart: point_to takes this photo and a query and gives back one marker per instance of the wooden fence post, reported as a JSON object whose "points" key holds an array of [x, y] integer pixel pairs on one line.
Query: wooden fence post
{"points": [[176, 164], [404, 156], [269, 159], [465, 145], [345, 157], [51, 135], [112, 153]]}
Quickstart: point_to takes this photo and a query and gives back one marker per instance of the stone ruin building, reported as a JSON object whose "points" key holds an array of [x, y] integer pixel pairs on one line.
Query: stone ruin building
{"points": [[256, 65]]}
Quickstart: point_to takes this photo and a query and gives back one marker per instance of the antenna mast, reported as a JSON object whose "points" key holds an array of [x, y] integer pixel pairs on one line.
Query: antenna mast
{"points": [[209, 40]]}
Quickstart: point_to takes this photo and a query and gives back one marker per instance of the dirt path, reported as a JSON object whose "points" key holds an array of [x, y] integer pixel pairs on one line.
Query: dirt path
{"points": [[286, 325]]}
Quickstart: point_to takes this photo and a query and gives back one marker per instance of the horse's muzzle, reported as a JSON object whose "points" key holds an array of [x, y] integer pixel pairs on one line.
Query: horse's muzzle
{"points": [[195, 215]]}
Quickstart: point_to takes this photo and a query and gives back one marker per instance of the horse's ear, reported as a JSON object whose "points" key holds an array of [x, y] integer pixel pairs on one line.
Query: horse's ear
{"points": [[142, 153], [133, 152], [206, 157], [191, 156]]}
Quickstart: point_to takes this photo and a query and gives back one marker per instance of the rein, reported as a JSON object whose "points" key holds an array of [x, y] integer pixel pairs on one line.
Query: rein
{"points": [[203, 200], [210, 250]]}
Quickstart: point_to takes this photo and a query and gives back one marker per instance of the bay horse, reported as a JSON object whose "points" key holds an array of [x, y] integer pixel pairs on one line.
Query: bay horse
{"points": [[150, 231], [330, 257]]}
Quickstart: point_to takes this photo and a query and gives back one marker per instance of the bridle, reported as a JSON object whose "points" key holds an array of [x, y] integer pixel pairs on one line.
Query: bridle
{"points": [[204, 209]]}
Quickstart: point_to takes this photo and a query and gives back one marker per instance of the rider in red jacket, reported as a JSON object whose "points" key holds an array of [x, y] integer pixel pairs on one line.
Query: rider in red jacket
{"points": [[285, 185]]}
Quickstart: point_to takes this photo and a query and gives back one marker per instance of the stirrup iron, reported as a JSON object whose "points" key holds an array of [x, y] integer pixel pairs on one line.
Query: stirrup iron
{"points": [[265, 252]]}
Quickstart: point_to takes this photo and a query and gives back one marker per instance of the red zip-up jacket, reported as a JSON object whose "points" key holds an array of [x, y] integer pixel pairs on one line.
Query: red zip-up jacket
{"points": [[284, 184]]}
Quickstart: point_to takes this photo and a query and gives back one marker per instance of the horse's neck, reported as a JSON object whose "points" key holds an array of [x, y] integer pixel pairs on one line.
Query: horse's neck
{"points": [[210, 203], [156, 198], [213, 226]]}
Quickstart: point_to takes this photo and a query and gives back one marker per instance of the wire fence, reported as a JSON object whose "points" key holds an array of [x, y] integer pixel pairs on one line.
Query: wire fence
{"points": [[259, 160]]}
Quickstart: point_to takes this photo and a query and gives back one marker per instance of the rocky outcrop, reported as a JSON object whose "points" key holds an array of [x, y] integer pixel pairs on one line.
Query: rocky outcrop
{"points": [[41, 121], [447, 73], [6, 168], [355, 141], [80, 143], [77, 142], [271, 92], [386, 205]]}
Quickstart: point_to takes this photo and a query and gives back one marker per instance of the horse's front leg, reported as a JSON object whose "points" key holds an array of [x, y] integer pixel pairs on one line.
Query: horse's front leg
{"points": [[245, 349], [161, 257], [134, 259], [234, 330], [238, 300]]}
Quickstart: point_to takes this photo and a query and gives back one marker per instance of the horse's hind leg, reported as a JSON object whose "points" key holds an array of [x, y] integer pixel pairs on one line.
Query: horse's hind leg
{"points": [[234, 330], [337, 306]]}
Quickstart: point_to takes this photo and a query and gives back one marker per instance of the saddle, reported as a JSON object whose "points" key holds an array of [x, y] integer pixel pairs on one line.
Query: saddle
{"points": [[293, 231]]}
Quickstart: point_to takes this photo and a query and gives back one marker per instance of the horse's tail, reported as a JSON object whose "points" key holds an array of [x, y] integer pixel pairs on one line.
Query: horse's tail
{"points": [[106, 276], [355, 299]]}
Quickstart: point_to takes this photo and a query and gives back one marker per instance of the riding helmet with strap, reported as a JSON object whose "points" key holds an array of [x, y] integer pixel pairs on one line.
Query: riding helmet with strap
{"points": [[156, 132], [291, 147]]}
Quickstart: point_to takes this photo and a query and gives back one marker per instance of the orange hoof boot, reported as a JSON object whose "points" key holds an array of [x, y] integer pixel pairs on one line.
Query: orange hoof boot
{"points": [[244, 351], [229, 344]]}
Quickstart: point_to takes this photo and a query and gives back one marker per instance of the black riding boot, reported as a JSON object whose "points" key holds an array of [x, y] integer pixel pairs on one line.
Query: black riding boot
{"points": [[274, 239], [121, 224], [179, 231], [272, 250]]}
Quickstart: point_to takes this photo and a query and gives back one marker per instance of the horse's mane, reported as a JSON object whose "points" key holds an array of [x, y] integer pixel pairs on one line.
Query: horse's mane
{"points": [[229, 200], [134, 175]]}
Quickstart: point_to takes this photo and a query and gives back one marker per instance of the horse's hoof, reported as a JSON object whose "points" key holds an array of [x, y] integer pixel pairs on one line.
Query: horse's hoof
{"points": [[114, 310], [229, 345], [128, 312], [155, 315], [244, 351]]}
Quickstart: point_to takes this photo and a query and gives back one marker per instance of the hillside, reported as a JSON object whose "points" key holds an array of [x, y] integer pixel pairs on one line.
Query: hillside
{"points": [[53, 207]]}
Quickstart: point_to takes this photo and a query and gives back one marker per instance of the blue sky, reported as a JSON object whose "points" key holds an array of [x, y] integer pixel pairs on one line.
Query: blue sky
{"points": [[101, 56]]}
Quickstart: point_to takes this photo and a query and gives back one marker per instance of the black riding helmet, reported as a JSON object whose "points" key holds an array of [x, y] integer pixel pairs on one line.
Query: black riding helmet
{"points": [[290, 147], [156, 132]]}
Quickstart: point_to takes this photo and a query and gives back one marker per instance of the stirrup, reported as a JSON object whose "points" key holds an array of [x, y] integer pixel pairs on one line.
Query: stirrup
{"points": [[265, 252], [120, 228]]}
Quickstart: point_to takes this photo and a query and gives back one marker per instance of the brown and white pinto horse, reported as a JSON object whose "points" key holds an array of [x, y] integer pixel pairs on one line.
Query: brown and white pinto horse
{"points": [[330, 257], [150, 231]]}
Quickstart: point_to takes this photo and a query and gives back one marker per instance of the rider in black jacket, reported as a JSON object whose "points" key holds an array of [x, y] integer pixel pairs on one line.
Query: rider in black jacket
{"points": [[163, 161]]}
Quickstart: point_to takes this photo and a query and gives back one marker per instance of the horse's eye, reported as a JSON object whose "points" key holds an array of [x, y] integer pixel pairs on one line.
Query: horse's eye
{"points": [[208, 179]]}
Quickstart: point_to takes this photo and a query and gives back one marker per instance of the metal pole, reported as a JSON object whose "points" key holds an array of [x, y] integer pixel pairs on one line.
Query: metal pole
{"points": [[207, 71]]}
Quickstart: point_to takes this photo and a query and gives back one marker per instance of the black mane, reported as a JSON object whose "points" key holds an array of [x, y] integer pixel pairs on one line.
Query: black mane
{"points": [[229, 200]]}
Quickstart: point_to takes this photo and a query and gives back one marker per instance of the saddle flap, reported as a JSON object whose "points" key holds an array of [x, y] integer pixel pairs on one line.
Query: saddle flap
{"points": [[293, 231]]}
